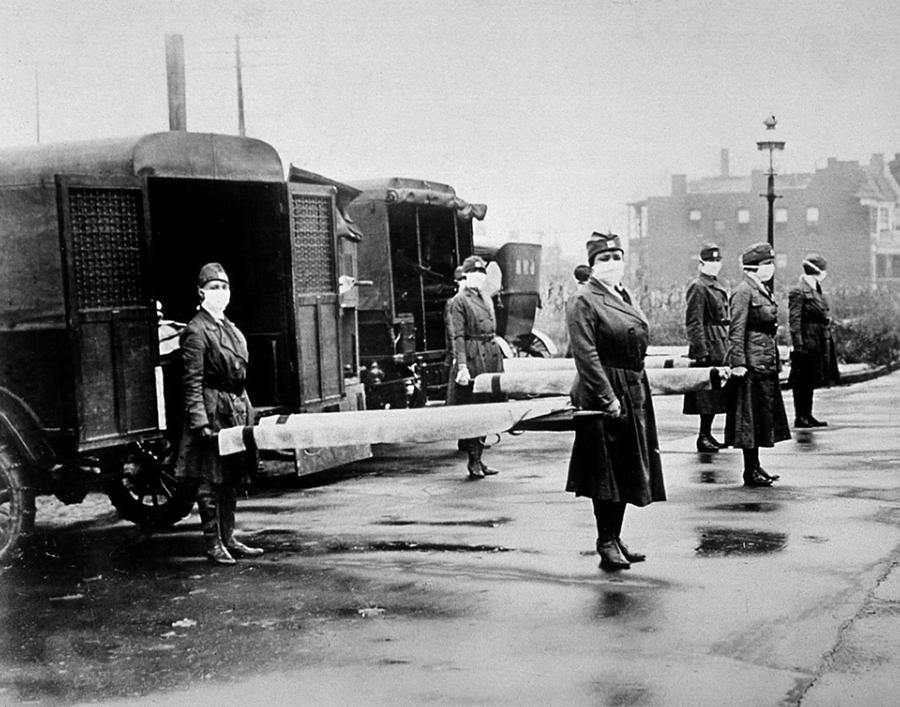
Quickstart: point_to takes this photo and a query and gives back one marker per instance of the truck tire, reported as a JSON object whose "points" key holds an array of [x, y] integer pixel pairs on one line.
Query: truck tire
{"points": [[16, 502], [143, 487]]}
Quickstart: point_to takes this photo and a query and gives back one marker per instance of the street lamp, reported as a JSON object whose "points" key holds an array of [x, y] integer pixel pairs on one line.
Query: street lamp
{"points": [[771, 143]]}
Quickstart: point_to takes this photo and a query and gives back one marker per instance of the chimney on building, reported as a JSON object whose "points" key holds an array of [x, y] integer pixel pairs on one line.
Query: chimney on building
{"points": [[679, 184], [877, 162], [723, 162], [175, 82]]}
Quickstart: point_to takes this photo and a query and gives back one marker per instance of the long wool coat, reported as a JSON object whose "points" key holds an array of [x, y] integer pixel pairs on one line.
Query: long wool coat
{"points": [[215, 370], [756, 416], [612, 459], [813, 360], [706, 321], [473, 326]]}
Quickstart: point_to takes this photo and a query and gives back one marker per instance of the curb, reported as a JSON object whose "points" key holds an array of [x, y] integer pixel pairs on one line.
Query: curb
{"points": [[852, 377]]}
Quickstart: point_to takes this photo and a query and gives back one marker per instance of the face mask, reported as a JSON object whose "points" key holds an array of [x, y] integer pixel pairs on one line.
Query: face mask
{"points": [[475, 280], [609, 272], [821, 276], [710, 267], [766, 272], [216, 300]]}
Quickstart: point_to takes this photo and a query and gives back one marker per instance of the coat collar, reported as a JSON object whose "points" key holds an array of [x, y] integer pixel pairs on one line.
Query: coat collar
{"points": [[759, 287], [611, 299], [224, 332], [710, 281], [477, 297]]}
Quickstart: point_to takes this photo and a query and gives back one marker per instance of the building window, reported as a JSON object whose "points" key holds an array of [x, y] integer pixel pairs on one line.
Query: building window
{"points": [[743, 216], [812, 215], [694, 215], [719, 225], [780, 215], [884, 218]]}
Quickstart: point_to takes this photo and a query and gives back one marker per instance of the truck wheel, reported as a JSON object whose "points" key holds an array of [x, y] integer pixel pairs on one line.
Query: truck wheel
{"points": [[144, 488], [16, 502]]}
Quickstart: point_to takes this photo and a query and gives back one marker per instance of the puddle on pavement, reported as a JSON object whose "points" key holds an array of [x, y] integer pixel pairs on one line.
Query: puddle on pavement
{"points": [[109, 613], [477, 523], [750, 507], [279, 509], [290, 541], [721, 542]]}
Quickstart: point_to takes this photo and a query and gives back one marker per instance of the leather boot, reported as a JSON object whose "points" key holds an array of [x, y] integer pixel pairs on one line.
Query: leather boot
{"points": [[485, 469], [755, 479], [607, 515], [207, 504], [630, 555], [766, 474], [611, 557], [474, 463], [705, 443], [232, 544]]}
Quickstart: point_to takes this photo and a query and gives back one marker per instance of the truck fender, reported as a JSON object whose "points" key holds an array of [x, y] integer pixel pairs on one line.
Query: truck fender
{"points": [[20, 426], [546, 341]]}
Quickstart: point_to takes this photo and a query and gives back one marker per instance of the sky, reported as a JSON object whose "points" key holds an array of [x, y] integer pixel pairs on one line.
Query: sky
{"points": [[555, 114]]}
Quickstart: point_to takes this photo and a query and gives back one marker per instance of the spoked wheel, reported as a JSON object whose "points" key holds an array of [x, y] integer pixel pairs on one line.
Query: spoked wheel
{"points": [[144, 489], [16, 503]]}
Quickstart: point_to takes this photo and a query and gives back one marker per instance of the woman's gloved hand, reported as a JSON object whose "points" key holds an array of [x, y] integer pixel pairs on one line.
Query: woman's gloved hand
{"points": [[462, 376], [614, 409], [206, 433], [739, 371]]}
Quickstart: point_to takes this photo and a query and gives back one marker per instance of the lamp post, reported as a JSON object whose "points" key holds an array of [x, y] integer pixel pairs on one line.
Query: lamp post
{"points": [[771, 143]]}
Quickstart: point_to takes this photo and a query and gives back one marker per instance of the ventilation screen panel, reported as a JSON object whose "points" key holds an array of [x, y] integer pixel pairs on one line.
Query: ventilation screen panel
{"points": [[312, 240], [107, 227]]}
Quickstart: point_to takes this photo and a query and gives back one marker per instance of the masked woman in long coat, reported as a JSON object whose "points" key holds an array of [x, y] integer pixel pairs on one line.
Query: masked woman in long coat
{"points": [[706, 323], [813, 359], [756, 416], [215, 359], [472, 326], [615, 459]]}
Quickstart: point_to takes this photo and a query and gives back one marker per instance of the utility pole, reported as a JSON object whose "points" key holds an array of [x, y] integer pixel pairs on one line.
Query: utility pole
{"points": [[175, 82], [242, 130]]}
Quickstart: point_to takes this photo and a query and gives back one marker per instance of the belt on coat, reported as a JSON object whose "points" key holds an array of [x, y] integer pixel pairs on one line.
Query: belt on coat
{"points": [[769, 329], [236, 389], [485, 337]]}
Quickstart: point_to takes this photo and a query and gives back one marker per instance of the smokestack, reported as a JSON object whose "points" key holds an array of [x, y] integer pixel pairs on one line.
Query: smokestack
{"points": [[723, 162], [175, 82]]}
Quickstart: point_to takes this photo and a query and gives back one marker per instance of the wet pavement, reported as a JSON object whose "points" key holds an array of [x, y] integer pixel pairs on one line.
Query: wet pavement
{"points": [[406, 583]]}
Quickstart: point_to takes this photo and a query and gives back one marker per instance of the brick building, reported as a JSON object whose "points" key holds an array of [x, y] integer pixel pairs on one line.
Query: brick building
{"points": [[844, 208]]}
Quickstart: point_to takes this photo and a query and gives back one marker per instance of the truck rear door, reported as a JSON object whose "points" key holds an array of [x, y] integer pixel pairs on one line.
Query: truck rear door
{"points": [[316, 302], [110, 312]]}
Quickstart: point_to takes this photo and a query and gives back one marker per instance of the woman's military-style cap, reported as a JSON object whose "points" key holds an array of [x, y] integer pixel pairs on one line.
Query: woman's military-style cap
{"points": [[601, 243], [757, 253], [473, 263], [710, 251], [210, 272], [458, 273], [814, 264]]}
